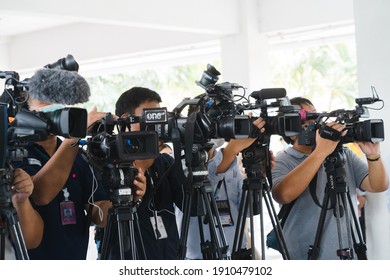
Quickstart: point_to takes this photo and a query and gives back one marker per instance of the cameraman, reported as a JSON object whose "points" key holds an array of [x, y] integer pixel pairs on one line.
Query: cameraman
{"points": [[63, 180], [30, 221], [225, 171], [296, 169], [156, 213]]}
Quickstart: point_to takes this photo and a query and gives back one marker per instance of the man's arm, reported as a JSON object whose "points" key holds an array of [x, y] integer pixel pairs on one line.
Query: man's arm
{"points": [[49, 181], [30, 221], [237, 145], [53, 175], [377, 179], [297, 180]]}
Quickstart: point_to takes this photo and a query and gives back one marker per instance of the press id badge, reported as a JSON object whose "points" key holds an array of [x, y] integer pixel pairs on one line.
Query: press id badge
{"points": [[158, 226], [225, 213], [68, 215]]}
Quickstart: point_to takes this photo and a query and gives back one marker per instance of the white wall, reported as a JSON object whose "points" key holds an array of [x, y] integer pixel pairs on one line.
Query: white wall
{"points": [[373, 59]]}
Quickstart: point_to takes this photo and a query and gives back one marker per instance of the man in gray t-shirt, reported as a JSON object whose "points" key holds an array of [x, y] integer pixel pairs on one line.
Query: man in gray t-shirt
{"points": [[294, 170]]}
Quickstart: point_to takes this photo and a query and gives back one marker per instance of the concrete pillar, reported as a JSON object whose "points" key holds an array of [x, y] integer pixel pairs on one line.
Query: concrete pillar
{"points": [[373, 60]]}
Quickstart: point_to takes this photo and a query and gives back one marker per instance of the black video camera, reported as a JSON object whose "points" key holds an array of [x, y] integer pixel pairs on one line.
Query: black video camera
{"points": [[286, 122], [108, 146], [113, 147], [211, 115], [371, 130], [20, 126]]}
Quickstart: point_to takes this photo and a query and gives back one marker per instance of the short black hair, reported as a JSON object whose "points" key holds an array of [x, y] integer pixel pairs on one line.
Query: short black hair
{"points": [[300, 100], [133, 98]]}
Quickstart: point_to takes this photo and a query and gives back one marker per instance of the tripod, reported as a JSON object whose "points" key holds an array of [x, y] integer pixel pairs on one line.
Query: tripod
{"points": [[201, 193], [123, 215], [337, 194], [126, 220], [9, 220], [255, 189]]}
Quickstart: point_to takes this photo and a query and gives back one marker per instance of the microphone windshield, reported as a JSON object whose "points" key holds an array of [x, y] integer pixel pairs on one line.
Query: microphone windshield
{"points": [[59, 86]]}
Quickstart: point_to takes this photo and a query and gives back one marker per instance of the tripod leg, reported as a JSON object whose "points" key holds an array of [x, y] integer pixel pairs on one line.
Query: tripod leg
{"points": [[258, 208], [106, 237], [360, 246], [213, 247], [237, 242], [214, 209], [276, 224], [10, 218], [2, 243], [141, 250], [185, 226], [239, 233], [314, 250], [20, 246], [250, 201]]}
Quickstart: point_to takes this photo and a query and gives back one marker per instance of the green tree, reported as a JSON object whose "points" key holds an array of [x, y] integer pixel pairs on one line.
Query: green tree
{"points": [[173, 83], [326, 74]]}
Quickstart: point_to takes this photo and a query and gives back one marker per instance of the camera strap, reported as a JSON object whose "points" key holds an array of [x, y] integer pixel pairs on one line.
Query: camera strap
{"points": [[175, 136], [189, 141], [312, 188]]}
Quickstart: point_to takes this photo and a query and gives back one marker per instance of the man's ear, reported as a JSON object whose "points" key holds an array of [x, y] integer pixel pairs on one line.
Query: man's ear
{"points": [[289, 140], [293, 138]]}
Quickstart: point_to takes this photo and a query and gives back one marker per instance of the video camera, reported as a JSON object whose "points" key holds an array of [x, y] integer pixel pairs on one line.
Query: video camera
{"points": [[371, 130], [20, 126], [218, 113], [113, 147], [211, 115], [108, 146]]}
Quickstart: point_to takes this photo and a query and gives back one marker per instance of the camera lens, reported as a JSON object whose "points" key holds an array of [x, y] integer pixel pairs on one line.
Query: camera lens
{"points": [[132, 145]]}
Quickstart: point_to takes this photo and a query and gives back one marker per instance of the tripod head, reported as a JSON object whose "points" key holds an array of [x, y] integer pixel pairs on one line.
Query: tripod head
{"points": [[256, 159], [5, 188], [118, 180], [200, 158], [334, 167]]}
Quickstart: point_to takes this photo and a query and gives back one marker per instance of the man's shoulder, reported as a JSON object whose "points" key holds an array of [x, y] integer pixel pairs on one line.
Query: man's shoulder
{"points": [[163, 159]]}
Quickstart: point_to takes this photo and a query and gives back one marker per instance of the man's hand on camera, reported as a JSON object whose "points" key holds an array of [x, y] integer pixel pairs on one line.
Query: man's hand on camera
{"points": [[326, 146], [94, 116], [260, 124], [22, 187], [371, 150], [140, 184]]}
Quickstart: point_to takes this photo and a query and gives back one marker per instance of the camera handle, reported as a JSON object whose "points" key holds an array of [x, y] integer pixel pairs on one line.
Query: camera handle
{"points": [[337, 193]]}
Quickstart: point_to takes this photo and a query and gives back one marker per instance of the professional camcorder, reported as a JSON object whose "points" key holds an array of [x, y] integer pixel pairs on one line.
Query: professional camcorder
{"points": [[113, 148], [218, 114], [112, 140], [210, 115], [20, 125], [371, 130]]}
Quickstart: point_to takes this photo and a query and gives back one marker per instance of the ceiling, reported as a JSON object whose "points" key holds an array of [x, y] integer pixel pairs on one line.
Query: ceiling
{"points": [[96, 31], [14, 25]]}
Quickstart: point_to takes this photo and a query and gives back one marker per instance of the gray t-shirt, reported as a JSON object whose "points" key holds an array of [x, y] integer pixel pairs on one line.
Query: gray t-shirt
{"points": [[302, 222]]}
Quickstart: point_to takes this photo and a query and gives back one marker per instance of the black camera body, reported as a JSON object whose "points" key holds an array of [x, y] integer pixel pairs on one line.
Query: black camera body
{"points": [[113, 148], [106, 146], [371, 130], [18, 125]]}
